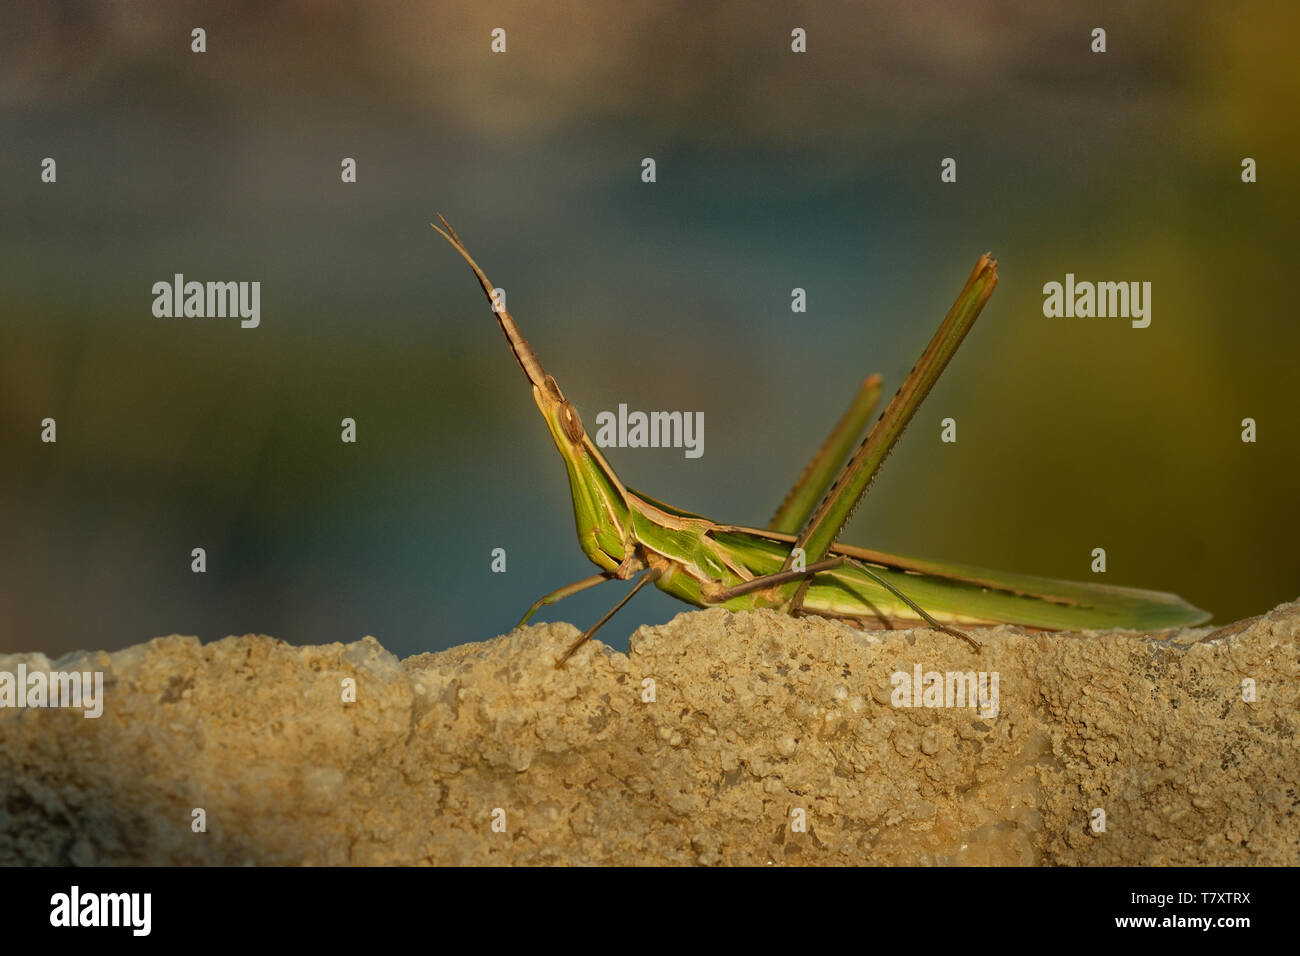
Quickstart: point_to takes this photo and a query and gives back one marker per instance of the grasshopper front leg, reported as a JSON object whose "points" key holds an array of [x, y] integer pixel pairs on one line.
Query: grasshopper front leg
{"points": [[631, 564], [559, 594], [647, 578]]}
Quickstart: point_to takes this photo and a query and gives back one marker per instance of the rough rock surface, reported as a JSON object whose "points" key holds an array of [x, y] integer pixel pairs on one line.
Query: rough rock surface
{"points": [[485, 753]]}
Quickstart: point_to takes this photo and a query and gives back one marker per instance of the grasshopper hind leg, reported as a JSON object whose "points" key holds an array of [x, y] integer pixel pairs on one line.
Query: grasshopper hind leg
{"points": [[938, 626], [830, 564]]}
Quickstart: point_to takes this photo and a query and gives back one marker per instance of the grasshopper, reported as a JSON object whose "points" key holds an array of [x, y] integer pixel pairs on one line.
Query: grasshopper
{"points": [[795, 564]]}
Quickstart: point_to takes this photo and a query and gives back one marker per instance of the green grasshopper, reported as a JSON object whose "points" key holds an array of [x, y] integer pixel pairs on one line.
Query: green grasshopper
{"points": [[625, 532]]}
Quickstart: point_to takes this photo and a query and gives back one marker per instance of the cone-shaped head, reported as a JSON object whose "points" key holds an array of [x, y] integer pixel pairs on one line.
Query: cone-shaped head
{"points": [[599, 498]]}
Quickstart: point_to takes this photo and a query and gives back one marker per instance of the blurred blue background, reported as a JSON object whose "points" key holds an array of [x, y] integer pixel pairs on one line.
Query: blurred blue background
{"points": [[775, 171]]}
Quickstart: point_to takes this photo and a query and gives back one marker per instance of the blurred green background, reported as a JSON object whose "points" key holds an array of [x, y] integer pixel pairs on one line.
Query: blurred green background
{"points": [[775, 170]]}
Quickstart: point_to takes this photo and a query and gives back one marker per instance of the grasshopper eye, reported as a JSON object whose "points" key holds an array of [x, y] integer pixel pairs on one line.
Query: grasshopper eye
{"points": [[572, 423]]}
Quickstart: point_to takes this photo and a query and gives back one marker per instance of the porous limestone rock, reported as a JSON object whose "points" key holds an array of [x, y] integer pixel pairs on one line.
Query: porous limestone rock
{"points": [[746, 738]]}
